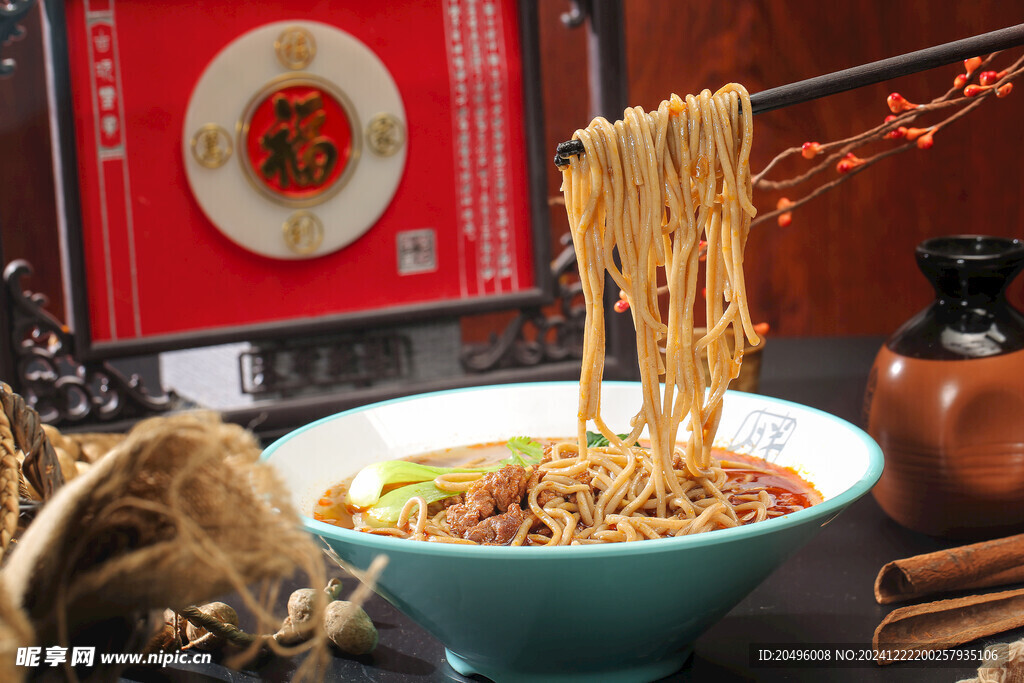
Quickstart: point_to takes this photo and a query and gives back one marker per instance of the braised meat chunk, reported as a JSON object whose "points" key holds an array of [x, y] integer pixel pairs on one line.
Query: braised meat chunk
{"points": [[507, 485], [499, 529], [495, 492], [464, 516]]}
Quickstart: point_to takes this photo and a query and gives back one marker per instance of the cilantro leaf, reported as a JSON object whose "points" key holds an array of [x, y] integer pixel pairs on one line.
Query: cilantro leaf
{"points": [[525, 451], [595, 439]]}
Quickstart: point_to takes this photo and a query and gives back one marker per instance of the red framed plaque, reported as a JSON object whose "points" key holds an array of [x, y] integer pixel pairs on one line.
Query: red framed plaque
{"points": [[241, 170]]}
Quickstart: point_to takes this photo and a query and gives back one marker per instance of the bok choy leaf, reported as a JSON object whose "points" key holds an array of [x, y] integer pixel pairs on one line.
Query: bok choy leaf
{"points": [[367, 486], [386, 510]]}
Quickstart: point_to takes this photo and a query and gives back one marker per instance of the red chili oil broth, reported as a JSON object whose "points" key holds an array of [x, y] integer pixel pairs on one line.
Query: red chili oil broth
{"points": [[788, 489]]}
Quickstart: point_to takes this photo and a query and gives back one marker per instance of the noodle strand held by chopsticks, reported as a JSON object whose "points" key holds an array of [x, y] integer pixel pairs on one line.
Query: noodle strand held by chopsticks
{"points": [[651, 187], [646, 193]]}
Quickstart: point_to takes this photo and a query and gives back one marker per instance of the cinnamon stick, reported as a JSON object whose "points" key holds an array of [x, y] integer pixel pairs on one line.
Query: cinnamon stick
{"points": [[979, 565], [944, 624]]}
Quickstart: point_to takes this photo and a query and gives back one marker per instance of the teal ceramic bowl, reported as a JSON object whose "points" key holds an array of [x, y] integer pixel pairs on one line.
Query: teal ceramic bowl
{"points": [[624, 612]]}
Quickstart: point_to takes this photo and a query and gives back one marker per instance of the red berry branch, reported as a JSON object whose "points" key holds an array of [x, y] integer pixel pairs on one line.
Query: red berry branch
{"points": [[839, 159]]}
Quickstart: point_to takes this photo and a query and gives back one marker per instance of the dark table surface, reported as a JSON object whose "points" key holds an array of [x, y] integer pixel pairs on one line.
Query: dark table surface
{"points": [[822, 595]]}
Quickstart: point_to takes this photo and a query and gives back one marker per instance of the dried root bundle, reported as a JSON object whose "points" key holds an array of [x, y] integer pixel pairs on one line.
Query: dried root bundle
{"points": [[177, 513]]}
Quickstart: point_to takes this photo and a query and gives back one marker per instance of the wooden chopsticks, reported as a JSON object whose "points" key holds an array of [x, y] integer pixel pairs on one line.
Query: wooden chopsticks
{"points": [[858, 76]]}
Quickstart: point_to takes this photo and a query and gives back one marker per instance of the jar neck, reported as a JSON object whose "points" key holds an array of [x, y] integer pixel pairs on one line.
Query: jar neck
{"points": [[969, 271], [969, 317]]}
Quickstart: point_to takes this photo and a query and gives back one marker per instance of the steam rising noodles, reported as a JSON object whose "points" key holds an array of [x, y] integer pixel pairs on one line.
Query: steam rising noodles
{"points": [[649, 194]]}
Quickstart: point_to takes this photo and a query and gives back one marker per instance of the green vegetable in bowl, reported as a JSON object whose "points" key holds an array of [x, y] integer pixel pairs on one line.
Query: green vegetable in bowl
{"points": [[595, 439], [385, 511], [367, 487], [525, 451]]}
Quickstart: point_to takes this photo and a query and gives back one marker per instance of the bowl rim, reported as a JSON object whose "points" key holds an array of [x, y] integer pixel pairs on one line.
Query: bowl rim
{"points": [[829, 508]]}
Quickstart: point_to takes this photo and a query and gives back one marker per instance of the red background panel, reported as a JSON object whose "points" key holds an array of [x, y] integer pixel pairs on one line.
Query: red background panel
{"points": [[156, 266]]}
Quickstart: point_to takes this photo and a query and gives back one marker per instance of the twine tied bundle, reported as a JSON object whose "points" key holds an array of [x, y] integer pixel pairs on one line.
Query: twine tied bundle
{"points": [[179, 512]]}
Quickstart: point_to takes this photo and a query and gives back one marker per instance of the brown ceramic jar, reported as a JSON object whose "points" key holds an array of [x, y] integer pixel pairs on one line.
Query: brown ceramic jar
{"points": [[945, 397]]}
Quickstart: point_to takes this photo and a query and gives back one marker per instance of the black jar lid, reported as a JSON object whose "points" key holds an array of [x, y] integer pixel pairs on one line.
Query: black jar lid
{"points": [[953, 248]]}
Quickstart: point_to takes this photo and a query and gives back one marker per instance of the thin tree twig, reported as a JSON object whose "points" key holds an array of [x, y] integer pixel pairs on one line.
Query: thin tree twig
{"points": [[838, 149]]}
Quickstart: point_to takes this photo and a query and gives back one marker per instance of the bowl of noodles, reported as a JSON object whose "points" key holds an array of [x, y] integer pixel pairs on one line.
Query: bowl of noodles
{"points": [[575, 610], [567, 531]]}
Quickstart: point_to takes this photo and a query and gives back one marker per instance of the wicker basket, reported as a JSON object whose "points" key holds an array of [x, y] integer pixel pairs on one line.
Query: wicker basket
{"points": [[28, 465], [29, 470]]}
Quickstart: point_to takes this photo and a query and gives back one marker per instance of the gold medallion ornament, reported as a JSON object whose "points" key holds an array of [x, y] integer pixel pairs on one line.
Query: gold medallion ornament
{"points": [[211, 146], [303, 232], [295, 47], [385, 135]]}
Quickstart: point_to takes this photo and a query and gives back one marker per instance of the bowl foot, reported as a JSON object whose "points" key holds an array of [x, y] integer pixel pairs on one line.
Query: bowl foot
{"points": [[632, 672]]}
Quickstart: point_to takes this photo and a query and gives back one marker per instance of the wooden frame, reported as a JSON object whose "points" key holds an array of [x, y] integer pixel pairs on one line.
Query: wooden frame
{"points": [[89, 347], [74, 379]]}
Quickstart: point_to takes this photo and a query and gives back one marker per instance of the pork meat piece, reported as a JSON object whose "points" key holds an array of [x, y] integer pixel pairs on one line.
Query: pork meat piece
{"points": [[464, 516], [499, 490], [507, 485], [498, 529]]}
